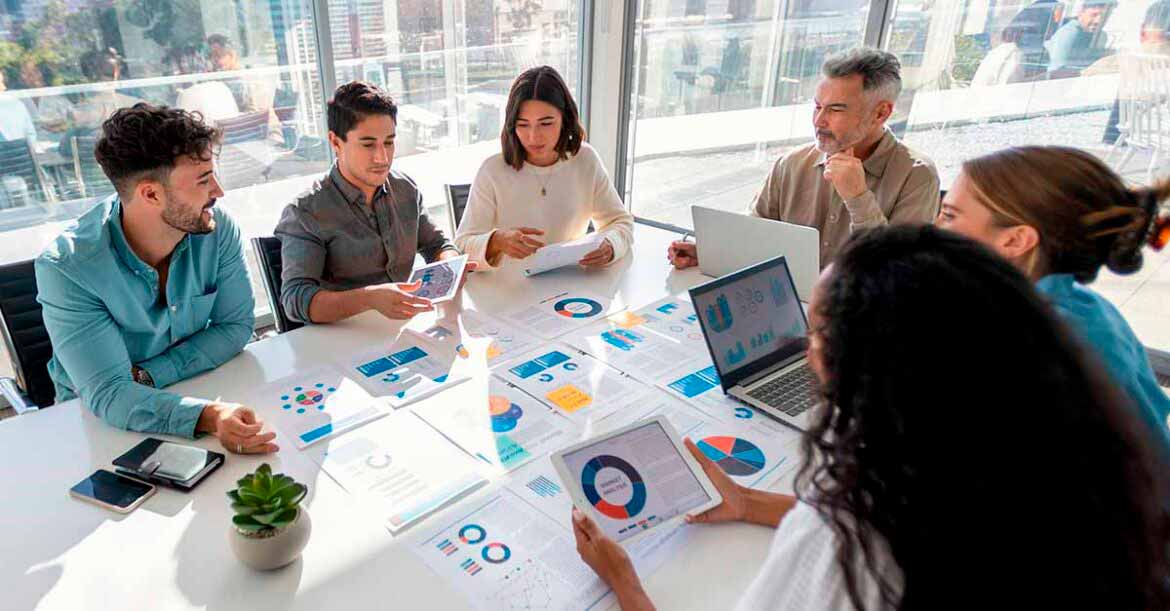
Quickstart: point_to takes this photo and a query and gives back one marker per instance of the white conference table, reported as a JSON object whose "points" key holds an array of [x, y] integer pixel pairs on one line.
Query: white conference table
{"points": [[172, 553]]}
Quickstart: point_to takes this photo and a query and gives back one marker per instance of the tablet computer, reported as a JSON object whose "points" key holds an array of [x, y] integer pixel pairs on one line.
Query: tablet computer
{"points": [[635, 478], [440, 280]]}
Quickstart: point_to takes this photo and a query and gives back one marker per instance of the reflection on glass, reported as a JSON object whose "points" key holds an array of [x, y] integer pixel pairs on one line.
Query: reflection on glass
{"points": [[980, 76], [723, 89]]}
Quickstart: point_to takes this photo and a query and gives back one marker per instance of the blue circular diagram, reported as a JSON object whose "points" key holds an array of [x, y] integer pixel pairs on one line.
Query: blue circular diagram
{"points": [[577, 307], [589, 486], [472, 534], [495, 553]]}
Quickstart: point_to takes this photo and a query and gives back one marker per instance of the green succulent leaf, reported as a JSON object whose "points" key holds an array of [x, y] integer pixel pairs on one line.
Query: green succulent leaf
{"points": [[244, 510], [246, 523], [234, 495], [285, 518], [247, 495], [292, 495]]}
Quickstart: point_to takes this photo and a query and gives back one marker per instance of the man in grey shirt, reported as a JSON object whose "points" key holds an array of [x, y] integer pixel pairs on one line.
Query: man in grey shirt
{"points": [[348, 244]]}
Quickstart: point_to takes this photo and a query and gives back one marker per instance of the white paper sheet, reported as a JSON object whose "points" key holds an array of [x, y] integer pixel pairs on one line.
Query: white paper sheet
{"points": [[507, 429], [558, 314], [564, 254], [314, 405], [502, 554], [575, 384], [503, 341], [643, 342], [402, 467], [410, 370]]}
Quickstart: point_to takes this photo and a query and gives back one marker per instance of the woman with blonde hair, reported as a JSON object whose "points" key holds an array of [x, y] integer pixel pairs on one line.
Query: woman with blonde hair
{"points": [[1060, 215]]}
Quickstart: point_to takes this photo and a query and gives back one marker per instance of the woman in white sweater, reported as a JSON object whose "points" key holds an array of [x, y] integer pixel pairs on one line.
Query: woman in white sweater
{"points": [[546, 185], [975, 456]]}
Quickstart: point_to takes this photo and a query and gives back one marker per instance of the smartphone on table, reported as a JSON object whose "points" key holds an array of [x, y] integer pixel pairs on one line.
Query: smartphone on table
{"points": [[112, 491]]}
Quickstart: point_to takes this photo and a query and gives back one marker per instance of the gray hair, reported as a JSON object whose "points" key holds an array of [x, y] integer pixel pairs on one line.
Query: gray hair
{"points": [[880, 71]]}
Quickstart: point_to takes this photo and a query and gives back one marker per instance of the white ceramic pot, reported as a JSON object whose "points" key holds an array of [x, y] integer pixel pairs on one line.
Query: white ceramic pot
{"points": [[280, 549]]}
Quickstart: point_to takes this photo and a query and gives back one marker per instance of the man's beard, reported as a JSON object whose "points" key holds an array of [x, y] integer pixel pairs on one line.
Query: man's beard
{"points": [[178, 218]]}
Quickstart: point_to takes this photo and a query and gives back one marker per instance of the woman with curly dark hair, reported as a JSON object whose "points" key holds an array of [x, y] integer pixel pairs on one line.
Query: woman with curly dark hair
{"points": [[971, 456]]}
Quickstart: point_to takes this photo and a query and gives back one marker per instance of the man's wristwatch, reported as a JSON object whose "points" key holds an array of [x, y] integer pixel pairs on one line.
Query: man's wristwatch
{"points": [[142, 376]]}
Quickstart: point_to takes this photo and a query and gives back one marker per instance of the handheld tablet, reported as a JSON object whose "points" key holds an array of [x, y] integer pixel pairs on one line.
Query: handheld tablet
{"points": [[440, 280], [635, 478]]}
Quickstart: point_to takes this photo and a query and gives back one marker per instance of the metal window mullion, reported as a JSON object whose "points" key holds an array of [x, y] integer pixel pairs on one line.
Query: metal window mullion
{"points": [[625, 108], [881, 12], [584, 59], [326, 69]]}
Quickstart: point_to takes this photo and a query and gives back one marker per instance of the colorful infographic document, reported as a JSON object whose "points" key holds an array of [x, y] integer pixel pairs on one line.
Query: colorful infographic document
{"points": [[315, 405], [502, 554], [751, 455], [701, 389], [575, 384], [506, 430], [401, 466], [411, 369], [558, 314], [644, 343], [503, 341]]}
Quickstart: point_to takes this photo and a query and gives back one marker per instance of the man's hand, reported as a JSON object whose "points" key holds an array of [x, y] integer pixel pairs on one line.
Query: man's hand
{"points": [[237, 427], [846, 174], [395, 301], [517, 243], [599, 256], [682, 254]]}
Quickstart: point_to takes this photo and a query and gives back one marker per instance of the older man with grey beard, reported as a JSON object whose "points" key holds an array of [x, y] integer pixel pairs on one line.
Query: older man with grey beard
{"points": [[855, 174]]}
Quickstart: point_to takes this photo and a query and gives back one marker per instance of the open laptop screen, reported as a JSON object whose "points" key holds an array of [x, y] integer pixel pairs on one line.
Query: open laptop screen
{"points": [[751, 319]]}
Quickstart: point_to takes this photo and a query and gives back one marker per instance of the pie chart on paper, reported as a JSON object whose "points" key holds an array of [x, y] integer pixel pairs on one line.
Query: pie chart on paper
{"points": [[735, 456]]}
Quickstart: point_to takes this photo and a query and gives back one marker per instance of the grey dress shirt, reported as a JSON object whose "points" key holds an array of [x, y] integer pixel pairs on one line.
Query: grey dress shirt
{"points": [[330, 239]]}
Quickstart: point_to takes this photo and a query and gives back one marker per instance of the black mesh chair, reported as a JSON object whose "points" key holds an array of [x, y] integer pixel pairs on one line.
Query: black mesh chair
{"points": [[91, 179], [25, 338], [456, 203], [18, 160], [268, 256]]}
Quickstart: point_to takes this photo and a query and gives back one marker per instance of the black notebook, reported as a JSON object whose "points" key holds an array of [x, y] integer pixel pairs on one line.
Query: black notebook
{"points": [[168, 463]]}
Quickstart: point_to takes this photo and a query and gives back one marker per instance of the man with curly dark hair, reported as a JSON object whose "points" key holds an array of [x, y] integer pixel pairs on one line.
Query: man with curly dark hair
{"points": [[149, 287]]}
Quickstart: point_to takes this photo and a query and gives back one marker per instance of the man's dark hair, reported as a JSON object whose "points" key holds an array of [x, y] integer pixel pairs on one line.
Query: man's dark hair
{"points": [[144, 141], [356, 100], [219, 40]]}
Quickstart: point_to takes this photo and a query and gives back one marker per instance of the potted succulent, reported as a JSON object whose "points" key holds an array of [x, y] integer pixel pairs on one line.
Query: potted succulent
{"points": [[270, 528]]}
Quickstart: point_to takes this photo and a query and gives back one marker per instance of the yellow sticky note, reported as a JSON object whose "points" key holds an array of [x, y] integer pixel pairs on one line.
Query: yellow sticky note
{"points": [[627, 320], [493, 350], [569, 398]]}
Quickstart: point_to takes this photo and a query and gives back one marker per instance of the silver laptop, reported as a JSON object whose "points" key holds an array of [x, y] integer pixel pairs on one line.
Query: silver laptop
{"points": [[730, 241], [758, 338]]}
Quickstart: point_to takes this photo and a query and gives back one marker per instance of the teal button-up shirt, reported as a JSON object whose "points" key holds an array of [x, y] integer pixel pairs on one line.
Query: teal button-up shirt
{"points": [[103, 313], [1104, 329]]}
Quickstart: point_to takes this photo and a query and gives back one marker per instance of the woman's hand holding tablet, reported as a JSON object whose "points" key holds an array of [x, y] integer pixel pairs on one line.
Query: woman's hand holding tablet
{"points": [[635, 478]]}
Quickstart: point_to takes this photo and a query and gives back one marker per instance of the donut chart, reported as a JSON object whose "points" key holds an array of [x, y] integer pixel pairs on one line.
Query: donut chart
{"points": [[589, 485], [735, 456], [495, 553], [577, 307], [471, 534], [504, 413]]}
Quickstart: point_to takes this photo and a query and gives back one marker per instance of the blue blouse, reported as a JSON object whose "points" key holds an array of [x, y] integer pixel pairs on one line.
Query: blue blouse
{"points": [[1099, 324]]}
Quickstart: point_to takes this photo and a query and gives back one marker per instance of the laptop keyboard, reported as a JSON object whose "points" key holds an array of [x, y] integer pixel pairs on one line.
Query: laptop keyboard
{"points": [[792, 393]]}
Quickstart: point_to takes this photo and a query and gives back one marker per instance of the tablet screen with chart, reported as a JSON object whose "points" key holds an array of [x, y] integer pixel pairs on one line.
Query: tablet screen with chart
{"points": [[440, 280], [635, 480]]}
